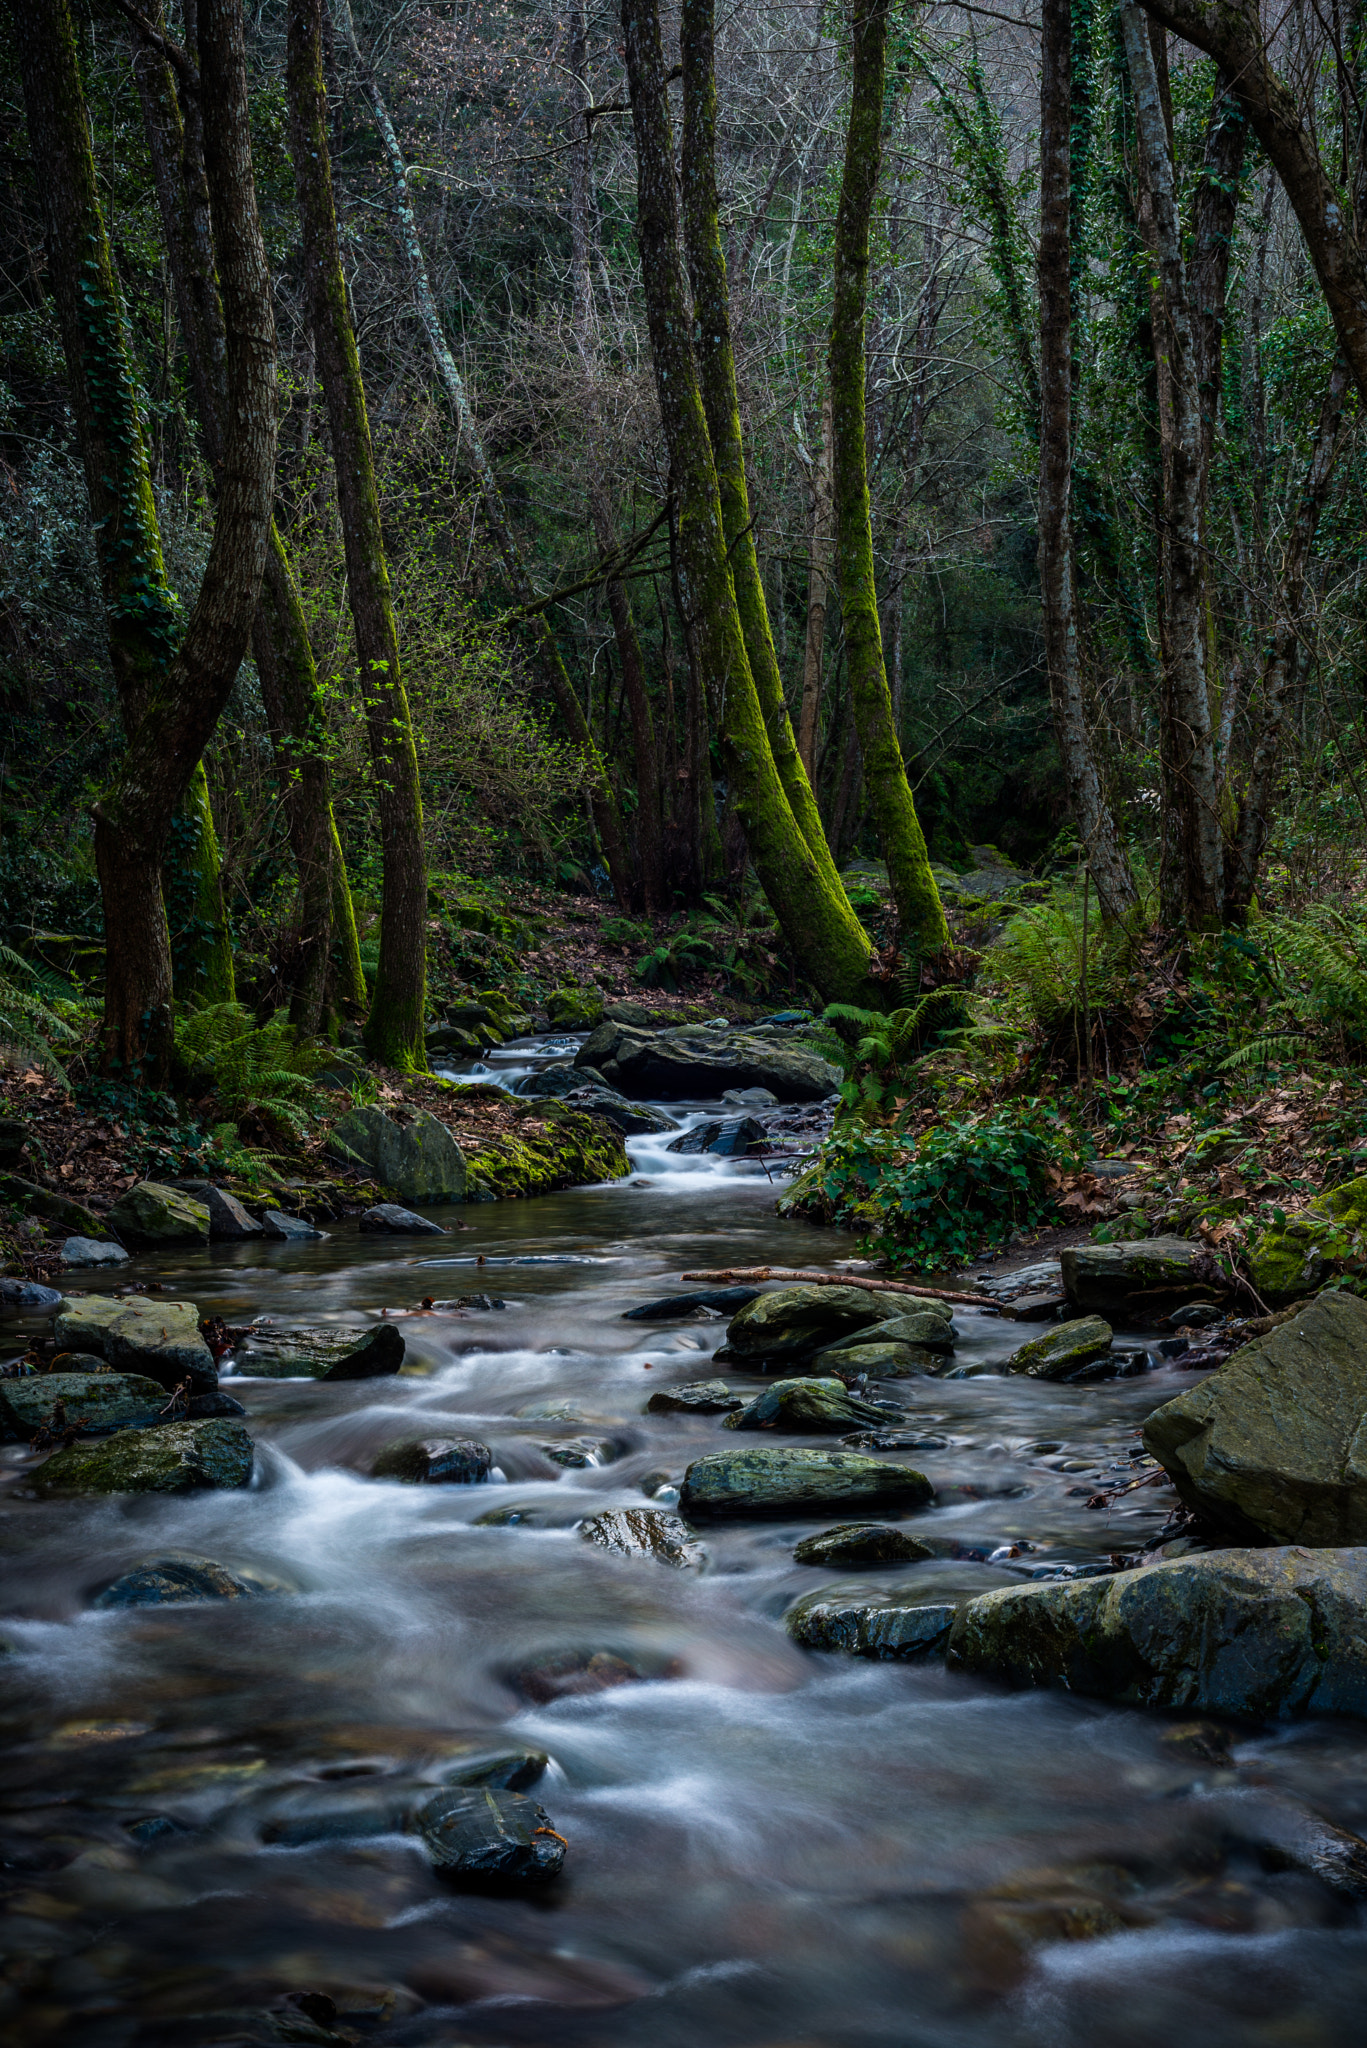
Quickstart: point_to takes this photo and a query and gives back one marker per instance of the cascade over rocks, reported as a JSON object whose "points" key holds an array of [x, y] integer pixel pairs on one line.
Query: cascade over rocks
{"points": [[419, 1159], [699, 1063], [1274, 1444], [1262, 1633]]}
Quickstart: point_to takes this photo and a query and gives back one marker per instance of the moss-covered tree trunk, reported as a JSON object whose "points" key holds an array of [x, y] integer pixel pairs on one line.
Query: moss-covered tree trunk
{"points": [[172, 686], [721, 403], [394, 1029], [280, 642], [827, 940], [920, 915]]}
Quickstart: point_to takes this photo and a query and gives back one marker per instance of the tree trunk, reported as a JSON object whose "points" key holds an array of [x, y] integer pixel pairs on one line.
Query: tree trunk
{"points": [[818, 588], [1287, 656], [394, 1029], [280, 642], [1188, 749], [171, 697], [920, 915], [1106, 858], [822, 930], [607, 817], [716, 367]]}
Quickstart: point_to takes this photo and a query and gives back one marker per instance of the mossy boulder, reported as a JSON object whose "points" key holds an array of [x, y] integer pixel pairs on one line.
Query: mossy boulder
{"points": [[1327, 1240], [154, 1216], [574, 1009], [550, 1147], [417, 1156], [815, 1407], [927, 1328], [139, 1334], [93, 1401], [1140, 1281], [1274, 1444], [868, 1628], [702, 1061], [1062, 1351], [792, 1323], [759, 1482], [862, 1543], [1265, 1634], [879, 1361], [180, 1457]]}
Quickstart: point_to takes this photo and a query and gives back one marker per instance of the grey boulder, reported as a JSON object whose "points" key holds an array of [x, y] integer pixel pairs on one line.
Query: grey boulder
{"points": [[1143, 1280], [1265, 1634], [135, 1333], [289, 1229], [869, 1628], [153, 1215], [94, 1401], [389, 1217], [180, 1457], [1274, 1444], [1063, 1351], [380, 1355], [89, 1251], [793, 1322], [698, 1397], [862, 1543], [926, 1328], [228, 1220], [700, 1063], [418, 1158], [758, 1482], [819, 1407]]}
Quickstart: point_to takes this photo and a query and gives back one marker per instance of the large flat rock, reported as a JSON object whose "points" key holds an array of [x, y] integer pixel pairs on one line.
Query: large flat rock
{"points": [[1262, 1633], [695, 1063], [180, 1457], [153, 1215], [94, 1401], [792, 1323], [1141, 1280], [1274, 1444], [761, 1482], [417, 1157], [140, 1334]]}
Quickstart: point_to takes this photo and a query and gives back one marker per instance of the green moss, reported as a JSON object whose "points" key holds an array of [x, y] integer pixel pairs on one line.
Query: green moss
{"points": [[1327, 1241], [573, 1151], [181, 1457]]}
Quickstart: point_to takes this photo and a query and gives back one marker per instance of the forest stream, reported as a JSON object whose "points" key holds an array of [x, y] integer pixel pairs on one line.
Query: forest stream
{"points": [[764, 1846]]}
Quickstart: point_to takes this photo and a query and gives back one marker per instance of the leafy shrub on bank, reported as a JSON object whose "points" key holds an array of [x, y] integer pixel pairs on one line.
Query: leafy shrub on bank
{"points": [[964, 1187], [261, 1073]]}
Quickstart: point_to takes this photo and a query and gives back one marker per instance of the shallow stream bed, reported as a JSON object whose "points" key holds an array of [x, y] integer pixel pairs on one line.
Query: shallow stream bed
{"points": [[767, 1849]]}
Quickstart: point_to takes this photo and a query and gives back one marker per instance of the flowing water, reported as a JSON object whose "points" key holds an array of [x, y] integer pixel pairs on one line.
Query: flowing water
{"points": [[767, 1849]]}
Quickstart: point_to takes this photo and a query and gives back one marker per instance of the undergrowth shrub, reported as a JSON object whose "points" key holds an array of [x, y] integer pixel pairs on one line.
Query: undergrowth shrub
{"points": [[261, 1073]]}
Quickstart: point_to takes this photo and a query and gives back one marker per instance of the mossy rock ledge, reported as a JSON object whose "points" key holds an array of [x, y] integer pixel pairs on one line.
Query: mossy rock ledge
{"points": [[1262, 1634], [777, 1481], [1327, 1241], [790, 1324], [180, 1457], [574, 1150]]}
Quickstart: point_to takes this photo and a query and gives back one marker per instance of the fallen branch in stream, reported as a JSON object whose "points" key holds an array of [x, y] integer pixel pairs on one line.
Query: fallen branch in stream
{"points": [[840, 1280]]}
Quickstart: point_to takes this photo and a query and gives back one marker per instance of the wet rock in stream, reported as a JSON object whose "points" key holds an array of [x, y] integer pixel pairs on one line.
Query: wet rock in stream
{"points": [[1062, 1352], [570, 1674], [491, 1839], [169, 1581], [760, 1482], [673, 1307], [229, 1222], [880, 1361], [862, 1543], [155, 1216], [389, 1218], [867, 1628], [789, 1324], [929, 1329], [698, 1397], [644, 1533], [699, 1062], [90, 1402], [434, 1461], [818, 1407], [159, 1340], [178, 1457], [1141, 1281], [380, 1354], [290, 1229]]}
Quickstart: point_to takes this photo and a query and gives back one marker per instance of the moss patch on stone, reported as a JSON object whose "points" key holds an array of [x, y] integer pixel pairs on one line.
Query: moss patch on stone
{"points": [[549, 1148]]}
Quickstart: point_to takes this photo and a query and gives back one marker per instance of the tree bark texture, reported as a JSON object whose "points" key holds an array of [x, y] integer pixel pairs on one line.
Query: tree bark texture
{"points": [[1106, 857], [721, 403], [394, 1028], [280, 641], [819, 546], [172, 695], [1287, 656], [826, 937], [1188, 752], [607, 816], [920, 914]]}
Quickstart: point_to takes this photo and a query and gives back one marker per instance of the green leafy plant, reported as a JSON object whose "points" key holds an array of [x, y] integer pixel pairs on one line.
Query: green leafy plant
{"points": [[261, 1073], [29, 1023]]}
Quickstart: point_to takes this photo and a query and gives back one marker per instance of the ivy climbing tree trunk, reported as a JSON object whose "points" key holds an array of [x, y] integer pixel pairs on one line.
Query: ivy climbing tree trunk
{"points": [[394, 1029], [827, 939], [920, 914], [721, 403], [1110, 868], [607, 816], [280, 642], [172, 686]]}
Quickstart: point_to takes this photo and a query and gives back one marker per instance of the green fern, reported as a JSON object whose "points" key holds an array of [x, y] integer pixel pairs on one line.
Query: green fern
{"points": [[260, 1072], [1060, 957], [29, 1023]]}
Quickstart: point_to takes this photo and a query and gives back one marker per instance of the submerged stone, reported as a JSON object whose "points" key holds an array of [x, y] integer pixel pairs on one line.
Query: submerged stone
{"points": [[1264, 1634], [399, 1222], [488, 1838], [765, 1481], [644, 1533], [91, 1401], [569, 1674], [179, 1457], [818, 1406], [1274, 1444], [435, 1461], [869, 1629], [862, 1543], [167, 1581], [673, 1307], [1063, 1351]]}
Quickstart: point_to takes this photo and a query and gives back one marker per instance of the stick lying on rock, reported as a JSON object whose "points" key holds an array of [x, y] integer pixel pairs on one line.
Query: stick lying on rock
{"points": [[746, 1273]]}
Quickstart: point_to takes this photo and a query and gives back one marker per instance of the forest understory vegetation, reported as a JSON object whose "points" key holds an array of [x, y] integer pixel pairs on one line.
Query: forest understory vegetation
{"points": [[863, 520]]}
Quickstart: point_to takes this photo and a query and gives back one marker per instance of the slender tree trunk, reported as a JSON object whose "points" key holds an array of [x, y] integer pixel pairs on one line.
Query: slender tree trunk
{"points": [[1287, 656], [1107, 861], [1189, 754], [921, 917], [394, 1030], [280, 642], [607, 817], [171, 694], [818, 588], [817, 921], [721, 404]]}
